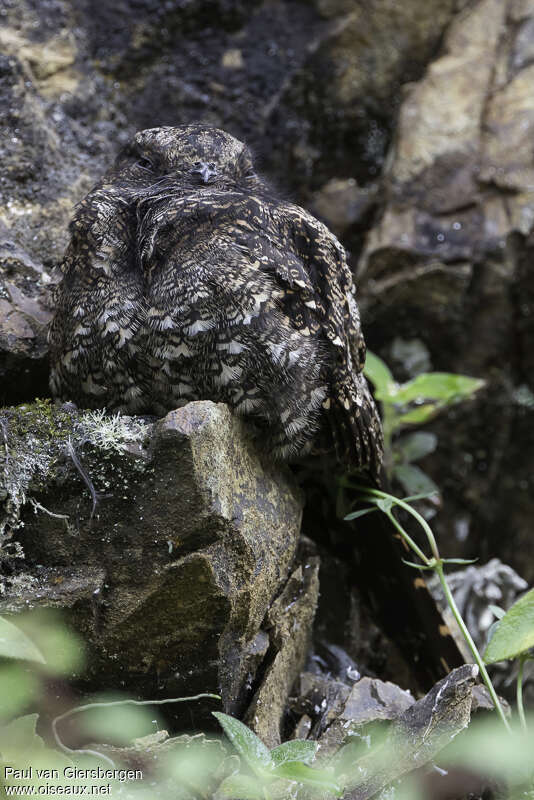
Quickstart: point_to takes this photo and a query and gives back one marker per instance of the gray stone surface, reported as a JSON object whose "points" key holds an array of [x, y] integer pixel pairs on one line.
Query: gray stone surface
{"points": [[289, 622], [446, 261], [406, 125], [417, 735], [171, 578]]}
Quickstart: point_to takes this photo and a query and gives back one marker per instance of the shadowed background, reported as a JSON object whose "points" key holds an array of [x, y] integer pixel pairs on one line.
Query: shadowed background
{"points": [[406, 126]]}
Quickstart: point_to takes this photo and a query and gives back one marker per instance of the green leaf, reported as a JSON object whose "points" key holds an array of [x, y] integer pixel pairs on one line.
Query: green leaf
{"points": [[462, 561], [62, 649], [515, 632], [491, 750], [247, 744], [297, 771], [385, 504], [18, 687], [193, 764], [414, 480], [361, 513], [416, 566], [15, 644], [424, 496], [445, 387], [417, 416], [497, 611], [19, 739], [294, 750], [413, 446], [119, 724], [380, 376], [242, 787]]}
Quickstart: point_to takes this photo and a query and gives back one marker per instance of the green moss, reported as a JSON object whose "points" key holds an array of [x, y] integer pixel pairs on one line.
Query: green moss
{"points": [[41, 418], [41, 441]]}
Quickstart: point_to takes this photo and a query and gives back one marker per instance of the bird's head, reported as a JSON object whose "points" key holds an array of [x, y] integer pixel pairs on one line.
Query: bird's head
{"points": [[190, 156]]}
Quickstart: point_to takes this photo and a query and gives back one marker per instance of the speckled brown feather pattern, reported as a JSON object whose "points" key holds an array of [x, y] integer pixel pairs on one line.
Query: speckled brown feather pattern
{"points": [[186, 278]]}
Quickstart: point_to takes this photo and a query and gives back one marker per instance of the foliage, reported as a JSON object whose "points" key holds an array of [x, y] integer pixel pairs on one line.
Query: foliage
{"points": [[196, 768], [406, 405], [517, 633], [39, 440], [289, 761], [513, 635]]}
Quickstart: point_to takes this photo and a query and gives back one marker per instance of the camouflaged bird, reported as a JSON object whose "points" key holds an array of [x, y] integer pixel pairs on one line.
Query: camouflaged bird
{"points": [[187, 278]]}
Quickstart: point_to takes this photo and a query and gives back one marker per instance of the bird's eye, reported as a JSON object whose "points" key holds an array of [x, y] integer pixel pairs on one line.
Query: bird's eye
{"points": [[145, 163]]}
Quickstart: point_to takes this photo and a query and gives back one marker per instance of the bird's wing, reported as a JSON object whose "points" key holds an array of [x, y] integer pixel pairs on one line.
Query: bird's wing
{"points": [[99, 308], [311, 264]]}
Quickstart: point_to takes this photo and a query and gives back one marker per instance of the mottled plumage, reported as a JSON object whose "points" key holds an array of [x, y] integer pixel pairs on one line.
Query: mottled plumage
{"points": [[187, 278]]}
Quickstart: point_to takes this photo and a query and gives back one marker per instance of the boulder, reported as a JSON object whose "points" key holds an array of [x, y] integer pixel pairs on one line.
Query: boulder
{"points": [[165, 545], [445, 262]]}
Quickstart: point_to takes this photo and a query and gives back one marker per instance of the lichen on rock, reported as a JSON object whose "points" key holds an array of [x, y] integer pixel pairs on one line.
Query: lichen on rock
{"points": [[177, 535], [37, 441]]}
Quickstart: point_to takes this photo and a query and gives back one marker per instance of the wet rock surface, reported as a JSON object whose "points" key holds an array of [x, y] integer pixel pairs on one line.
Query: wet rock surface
{"points": [[418, 734], [171, 578], [25, 311], [406, 126], [445, 262]]}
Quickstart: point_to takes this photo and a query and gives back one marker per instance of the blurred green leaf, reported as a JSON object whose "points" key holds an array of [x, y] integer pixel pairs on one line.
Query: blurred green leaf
{"points": [[62, 648], [514, 633], [117, 724], [294, 750], [302, 773], [242, 787], [18, 687], [19, 738], [361, 513], [247, 744], [383, 381], [414, 446], [445, 387], [15, 644], [497, 611], [417, 416], [487, 747], [194, 764], [414, 480]]}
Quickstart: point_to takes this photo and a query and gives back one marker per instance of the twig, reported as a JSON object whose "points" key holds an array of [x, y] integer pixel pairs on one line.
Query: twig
{"points": [[87, 480], [128, 701]]}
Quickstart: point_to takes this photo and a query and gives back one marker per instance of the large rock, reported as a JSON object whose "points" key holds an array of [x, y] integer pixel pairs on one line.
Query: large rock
{"points": [[171, 578], [447, 262], [25, 312], [304, 82], [336, 113]]}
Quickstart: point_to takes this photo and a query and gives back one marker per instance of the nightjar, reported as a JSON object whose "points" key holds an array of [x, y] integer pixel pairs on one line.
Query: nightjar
{"points": [[187, 278]]}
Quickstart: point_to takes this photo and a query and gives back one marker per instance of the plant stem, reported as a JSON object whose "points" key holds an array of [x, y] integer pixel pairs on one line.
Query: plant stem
{"points": [[420, 519], [519, 691], [472, 646], [437, 564], [408, 539]]}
